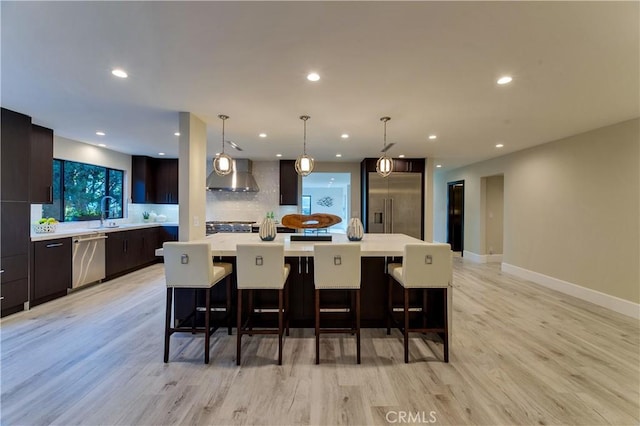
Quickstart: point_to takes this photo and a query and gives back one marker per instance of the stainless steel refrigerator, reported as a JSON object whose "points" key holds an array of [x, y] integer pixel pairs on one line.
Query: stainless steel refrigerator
{"points": [[395, 204]]}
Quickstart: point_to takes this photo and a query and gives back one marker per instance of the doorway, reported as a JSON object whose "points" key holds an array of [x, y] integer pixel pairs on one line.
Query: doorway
{"points": [[324, 192], [455, 215]]}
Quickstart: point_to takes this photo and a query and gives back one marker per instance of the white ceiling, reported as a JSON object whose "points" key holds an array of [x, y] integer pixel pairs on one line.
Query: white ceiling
{"points": [[431, 66]]}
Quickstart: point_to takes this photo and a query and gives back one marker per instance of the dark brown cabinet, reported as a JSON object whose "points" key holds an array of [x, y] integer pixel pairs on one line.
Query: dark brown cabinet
{"points": [[41, 167], [155, 180], [166, 181], [15, 139], [288, 183], [129, 250], [15, 142], [51, 275], [167, 233]]}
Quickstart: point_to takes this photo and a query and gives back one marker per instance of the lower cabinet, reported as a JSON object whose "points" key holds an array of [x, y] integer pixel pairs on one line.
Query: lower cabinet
{"points": [[130, 250], [51, 272]]}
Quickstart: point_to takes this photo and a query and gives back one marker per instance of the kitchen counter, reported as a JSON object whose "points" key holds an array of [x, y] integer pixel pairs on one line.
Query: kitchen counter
{"points": [[377, 250], [372, 245], [63, 232]]}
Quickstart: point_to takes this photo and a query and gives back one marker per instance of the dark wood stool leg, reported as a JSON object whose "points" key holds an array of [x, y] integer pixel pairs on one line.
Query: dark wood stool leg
{"points": [[406, 325], [250, 310], [280, 323], [358, 326], [195, 312], [167, 325], [317, 326], [207, 321], [446, 326], [424, 308], [389, 304], [228, 306], [286, 304], [239, 327]]}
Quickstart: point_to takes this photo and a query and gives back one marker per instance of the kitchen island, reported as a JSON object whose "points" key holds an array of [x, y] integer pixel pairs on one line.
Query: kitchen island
{"points": [[377, 250]]}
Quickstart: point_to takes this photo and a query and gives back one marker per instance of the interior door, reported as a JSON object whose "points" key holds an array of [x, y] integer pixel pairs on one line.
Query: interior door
{"points": [[455, 215], [405, 204]]}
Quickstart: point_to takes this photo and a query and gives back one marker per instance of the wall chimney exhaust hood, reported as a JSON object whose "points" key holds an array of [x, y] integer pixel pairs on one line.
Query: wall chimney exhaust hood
{"points": [[239, 180]]}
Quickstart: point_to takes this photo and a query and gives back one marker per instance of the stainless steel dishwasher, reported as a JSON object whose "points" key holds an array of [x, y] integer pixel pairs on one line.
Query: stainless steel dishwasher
{"points": [[88, 259]]}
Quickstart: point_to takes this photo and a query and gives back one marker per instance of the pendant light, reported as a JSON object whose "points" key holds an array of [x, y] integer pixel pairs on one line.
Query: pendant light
{"points": [[222, 164], [304, 163], [384, 166]]}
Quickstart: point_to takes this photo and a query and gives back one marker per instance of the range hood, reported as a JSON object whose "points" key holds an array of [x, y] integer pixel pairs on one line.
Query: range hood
{"points": [[239, 180]]}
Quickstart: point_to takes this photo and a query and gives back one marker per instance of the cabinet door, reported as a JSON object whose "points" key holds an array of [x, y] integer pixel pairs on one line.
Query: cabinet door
{"points": [[15, 135], [41, 167], [167, 181], [167, 233], [51, 267], [115, 257], [288, 183], [14, 228], [143, 186], [150, 242]]}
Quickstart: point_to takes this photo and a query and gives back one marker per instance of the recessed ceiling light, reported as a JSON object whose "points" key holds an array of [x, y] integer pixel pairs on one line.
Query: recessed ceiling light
{"points": [[161, 153], [505, 80], [120, 73], [263, 135], [432, 137], [438, 165], [344, 136], [176, 134], [99, 133], [278, 155], [101, 145], [499, 145], [401, 156], [314, 76], [338, 155]]}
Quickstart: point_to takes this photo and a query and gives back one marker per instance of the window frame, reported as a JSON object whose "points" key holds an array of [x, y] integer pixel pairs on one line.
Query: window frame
{"points": [[107, 173]]}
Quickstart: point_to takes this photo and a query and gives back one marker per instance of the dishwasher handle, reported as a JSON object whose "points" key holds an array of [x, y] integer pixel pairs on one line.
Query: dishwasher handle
{"points": [[84, 240]]}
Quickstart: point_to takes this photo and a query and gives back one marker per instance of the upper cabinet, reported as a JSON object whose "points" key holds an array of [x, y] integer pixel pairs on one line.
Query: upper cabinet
{"points": [[288, 183], [16, 139], [41, 185], [155, 180]]}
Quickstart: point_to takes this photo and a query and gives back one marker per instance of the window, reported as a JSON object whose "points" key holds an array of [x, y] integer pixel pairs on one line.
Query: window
{"points": [[78, 189]]}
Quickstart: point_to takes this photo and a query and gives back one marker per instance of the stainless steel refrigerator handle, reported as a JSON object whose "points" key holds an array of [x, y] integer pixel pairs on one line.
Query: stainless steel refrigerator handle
{"points": [[391, 215], [384, 216]]}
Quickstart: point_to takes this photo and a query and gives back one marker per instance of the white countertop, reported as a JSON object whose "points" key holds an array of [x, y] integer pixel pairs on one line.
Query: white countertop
{"points": [[63, 232], [372, 245]]}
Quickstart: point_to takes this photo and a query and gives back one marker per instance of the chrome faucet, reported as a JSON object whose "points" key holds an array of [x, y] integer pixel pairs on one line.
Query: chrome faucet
{"points": [[102, 208]]}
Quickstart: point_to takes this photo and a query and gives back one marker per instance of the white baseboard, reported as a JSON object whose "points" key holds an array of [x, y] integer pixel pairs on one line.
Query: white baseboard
{"points": [[482, 258], [614, 303]]}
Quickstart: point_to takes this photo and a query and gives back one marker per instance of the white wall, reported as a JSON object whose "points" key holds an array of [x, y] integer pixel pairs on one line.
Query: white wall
{"points": [[571, 209], [493, 213]]}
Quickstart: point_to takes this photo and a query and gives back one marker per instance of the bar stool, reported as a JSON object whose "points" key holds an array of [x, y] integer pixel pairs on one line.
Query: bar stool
{"points": [[262, 267], [189, 265], [337, 267], [424, 266]]}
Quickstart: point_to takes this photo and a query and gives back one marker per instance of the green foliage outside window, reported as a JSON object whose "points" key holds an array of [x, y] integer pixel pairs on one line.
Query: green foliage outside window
{"points": [[78, 189]]}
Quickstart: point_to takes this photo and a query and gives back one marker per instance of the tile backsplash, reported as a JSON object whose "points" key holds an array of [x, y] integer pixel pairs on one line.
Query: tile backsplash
{"points": [[251, 206]]}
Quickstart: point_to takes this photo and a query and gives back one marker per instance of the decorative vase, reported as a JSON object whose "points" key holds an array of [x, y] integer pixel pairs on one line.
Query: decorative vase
{"points": [[355, 230], [267, 230]]}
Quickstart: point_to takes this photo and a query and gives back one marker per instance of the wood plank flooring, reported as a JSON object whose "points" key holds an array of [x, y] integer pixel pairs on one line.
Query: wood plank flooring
{"points": [[520, 354]]}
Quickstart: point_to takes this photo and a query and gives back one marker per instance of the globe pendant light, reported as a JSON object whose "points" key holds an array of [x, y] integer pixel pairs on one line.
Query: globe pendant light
{"points": [[223, 163], [384, 165], [304, 163]]}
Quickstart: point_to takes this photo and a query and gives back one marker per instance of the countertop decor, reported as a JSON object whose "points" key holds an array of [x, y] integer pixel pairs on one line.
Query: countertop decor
{"points": [[316, 220]]}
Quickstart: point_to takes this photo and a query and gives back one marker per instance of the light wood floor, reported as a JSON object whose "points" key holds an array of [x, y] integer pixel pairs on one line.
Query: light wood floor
{"points": [[520, 354]]}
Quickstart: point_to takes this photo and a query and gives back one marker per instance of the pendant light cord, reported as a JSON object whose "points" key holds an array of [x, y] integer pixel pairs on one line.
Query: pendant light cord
{"points": [[304, 140], [223, 118], [385, 119]]}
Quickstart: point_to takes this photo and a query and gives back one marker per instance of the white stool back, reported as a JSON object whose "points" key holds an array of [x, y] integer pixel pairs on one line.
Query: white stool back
{"points": [[425, 266], [189, 264], [261, 266], [336, 266]]}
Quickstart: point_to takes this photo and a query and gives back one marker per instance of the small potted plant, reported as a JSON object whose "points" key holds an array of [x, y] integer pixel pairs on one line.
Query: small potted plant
{"points": [[145, 216]]}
